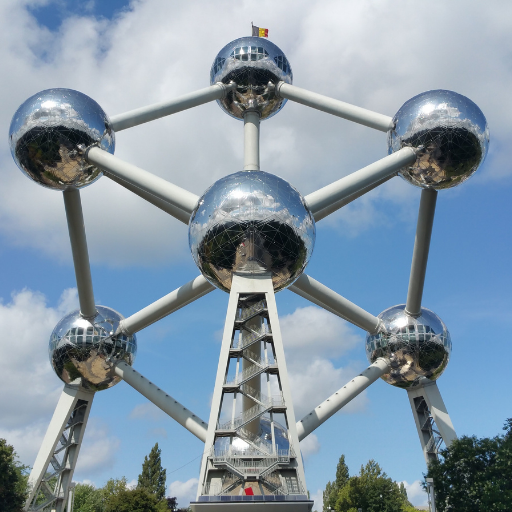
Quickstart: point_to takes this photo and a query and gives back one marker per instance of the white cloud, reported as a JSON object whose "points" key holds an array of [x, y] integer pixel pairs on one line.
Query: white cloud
{"points": [[185, 492], [318, 498], [417, 496], [195, 147], [311, 336], [132, 484], [309, 446]]}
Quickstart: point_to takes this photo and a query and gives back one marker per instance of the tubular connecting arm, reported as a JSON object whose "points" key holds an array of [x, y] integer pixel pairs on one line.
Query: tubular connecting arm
{"points": [[328, 199], [76, 227], [421, 249], [165, 402], [166, 305], [251, 141], [341, 398], [324, 297], [144, 180], [335, 107], [166, 108]]}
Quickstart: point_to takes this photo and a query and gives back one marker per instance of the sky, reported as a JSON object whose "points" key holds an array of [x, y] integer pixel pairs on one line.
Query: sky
{"points": [[373, 53]]}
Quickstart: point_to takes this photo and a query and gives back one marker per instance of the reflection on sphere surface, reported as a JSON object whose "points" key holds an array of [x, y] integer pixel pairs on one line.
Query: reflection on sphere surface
{"points": [[46, 132], [452, 131], [251, 222], [256, 65], [417, 346], [82, 350]]}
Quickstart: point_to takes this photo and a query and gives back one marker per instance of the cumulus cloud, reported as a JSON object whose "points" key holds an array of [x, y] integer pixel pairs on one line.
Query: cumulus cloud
{"points": [[417, 496], [185, 492], [147, 410], [312, 337], [318, 498], [337, 55], [309, 446]]}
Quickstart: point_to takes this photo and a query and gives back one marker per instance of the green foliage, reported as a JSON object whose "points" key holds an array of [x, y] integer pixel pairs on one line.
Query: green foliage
{"points": [[371, 491], [88, 499], [153, 475], [13, 480], [132, 500], [330, 494], [475, 475]]}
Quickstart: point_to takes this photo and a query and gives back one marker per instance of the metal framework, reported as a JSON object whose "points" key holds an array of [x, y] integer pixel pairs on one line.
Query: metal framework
{"points": [[251, 329]]}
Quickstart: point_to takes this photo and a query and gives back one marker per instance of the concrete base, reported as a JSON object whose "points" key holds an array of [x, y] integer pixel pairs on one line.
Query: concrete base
{"points": [[251, 506]]}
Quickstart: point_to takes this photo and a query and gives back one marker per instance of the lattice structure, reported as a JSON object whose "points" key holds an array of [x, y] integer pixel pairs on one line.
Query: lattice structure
{"points": [[250, 234]]}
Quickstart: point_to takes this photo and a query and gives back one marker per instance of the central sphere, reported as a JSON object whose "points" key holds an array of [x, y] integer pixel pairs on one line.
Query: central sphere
{"points": [[417, 346], [256, 65], [82, 350], [251, 222]]}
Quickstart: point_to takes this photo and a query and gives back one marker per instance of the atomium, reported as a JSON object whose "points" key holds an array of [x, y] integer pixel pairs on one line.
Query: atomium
{"points": [[452, 133], [251, 222], [49, 132], [82, 350], [256, 65], [417, 346]]}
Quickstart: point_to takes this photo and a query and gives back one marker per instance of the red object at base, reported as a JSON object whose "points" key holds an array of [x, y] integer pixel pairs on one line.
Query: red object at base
{"points": [[248, 491]]}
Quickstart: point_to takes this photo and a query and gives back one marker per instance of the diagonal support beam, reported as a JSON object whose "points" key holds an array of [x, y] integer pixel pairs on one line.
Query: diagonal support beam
{"points": [[421, 249], [335, 107], [173, 301], [157, 110], [76, 228], [342, 397], [173, 211], [162, 400], [144, 180], [332, 197], [326, 298]]}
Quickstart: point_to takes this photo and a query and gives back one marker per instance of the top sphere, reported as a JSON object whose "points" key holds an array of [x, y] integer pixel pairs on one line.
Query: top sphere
{"points": [[417, 346], [46, 132], [251, 222], [82, 350], [256, 65], [452, 131]]}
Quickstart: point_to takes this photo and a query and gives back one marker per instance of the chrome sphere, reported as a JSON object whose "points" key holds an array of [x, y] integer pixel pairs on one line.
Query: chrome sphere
{"points": [[417, 346], [49, 132], [256, 65], [451, 130], [82, 350], [251, 222]]}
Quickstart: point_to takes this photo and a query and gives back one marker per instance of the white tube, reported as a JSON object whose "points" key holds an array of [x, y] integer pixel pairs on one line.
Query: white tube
{"points": [[335, 107], [166, 305], [251, 141], [177, 196], [358, 181], [76, 228], [166, 108], [319, 294], [341, 398], [177, 213], [421, 249], [165, 402]]}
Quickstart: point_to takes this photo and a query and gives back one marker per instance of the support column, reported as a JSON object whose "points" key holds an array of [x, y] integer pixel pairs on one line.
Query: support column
{"points": [[251, 141], [252, 458], [58, 454], [431, 417]]}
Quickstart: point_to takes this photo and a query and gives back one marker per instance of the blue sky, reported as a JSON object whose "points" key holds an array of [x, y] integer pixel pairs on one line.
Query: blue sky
{"points": [[376, 54]]}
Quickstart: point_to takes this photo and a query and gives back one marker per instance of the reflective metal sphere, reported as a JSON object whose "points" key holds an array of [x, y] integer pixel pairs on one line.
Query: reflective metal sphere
{"points": [[251, 222], [417, 347], [256, 65], [82, 350], [452, 131], [46, 132]]}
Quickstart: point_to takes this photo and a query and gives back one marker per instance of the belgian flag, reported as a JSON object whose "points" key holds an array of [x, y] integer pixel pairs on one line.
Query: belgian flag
{"points": [[259, 32]]}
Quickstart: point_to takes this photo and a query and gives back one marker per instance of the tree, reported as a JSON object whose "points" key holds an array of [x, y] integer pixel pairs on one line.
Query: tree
{"points": [[330, 494], [13, 481], [89, 499], [153, 475], [475, 474], [132, 500], [371, 491]]}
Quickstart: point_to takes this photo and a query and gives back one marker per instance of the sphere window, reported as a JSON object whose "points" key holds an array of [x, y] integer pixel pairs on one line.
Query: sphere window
{"points": [[249, 53], [217, 66], [282, 63]]}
